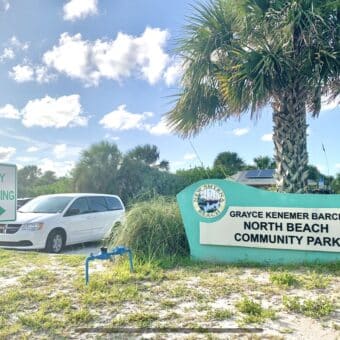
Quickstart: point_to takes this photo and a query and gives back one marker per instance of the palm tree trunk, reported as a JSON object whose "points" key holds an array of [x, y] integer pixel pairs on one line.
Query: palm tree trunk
{"points": [[290, 141]]}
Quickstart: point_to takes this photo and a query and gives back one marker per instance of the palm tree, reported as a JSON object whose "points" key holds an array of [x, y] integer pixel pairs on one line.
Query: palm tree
{"points": [[240, 55], [264, 162], [229, 162]]}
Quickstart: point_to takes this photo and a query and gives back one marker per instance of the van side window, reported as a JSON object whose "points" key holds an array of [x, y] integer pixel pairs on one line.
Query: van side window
{"points": [[79, 206], [97, 204], [113, 203]]}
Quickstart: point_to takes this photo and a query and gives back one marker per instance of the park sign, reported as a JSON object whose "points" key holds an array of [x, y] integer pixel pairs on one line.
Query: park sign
{"points": [[8, 192], [229, 222]]}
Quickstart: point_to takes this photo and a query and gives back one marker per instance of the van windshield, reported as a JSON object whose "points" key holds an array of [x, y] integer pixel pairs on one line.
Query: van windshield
{"points": [[46, 204]]}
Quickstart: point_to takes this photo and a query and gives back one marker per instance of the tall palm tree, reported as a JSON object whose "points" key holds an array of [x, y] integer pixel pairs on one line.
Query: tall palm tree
{"points": [[240, 55]]}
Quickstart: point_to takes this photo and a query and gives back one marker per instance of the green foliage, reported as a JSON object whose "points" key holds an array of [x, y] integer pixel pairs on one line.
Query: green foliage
{"points": [[255, 313], [189, 176], [283, 279], [228, 163], [33, 182], [264, 162], [149, 154], [219, 314], [336, 184], [153, 229], [315, 308], [97, 169], [242, 55], [138, 181]]}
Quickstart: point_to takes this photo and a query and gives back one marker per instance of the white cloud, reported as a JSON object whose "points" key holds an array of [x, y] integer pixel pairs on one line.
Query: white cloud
{"points": [[79, 9], [268, 137], [32, 149], [327, 105], [159, 129], [240, 131], [60, 168], [15, 42], [126, 56], [321, 167], [7, 54], [190, 156], [6, 153], [114, 138], [173, 72], [54, 112], [14, 45], [62, 151], [42, 75], [24, 159], [59, 151], [120, 119], [22, 73], [337, 166], [4, 5], [9, 111]]}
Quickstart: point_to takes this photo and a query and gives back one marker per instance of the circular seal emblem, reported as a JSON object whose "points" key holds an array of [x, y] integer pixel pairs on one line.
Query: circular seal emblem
{"points": [[209, 200]]}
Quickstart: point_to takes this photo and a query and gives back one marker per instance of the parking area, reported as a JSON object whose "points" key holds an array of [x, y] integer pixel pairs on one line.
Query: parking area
{"points": [[83, 249]]}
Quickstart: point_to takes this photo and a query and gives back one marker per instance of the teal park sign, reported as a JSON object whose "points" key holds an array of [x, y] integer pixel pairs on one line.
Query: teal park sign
{"points": [[8, 192], [230, 222]]}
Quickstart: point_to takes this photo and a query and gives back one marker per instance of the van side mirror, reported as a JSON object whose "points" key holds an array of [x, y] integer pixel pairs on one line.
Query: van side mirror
{"points": [[72, 212]]}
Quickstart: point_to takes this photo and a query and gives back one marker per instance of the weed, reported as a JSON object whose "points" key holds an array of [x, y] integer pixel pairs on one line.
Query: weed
{"points": [[315, 281], [80, 316], [255, 313], [283, 279], [315, 308], [219, 314], [37, 278]]}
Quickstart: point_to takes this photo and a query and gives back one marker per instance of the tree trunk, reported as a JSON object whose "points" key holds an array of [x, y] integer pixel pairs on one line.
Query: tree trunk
{"points": [[290, 141]]}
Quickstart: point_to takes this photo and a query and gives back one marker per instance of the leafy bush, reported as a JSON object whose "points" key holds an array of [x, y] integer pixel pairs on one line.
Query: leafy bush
{"points": [[152, 229]]}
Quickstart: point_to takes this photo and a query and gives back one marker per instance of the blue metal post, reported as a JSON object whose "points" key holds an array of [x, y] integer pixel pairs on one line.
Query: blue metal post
{"points": [[105, 255]]}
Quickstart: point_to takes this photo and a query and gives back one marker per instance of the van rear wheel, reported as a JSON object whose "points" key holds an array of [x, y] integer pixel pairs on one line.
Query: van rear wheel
{"points": [[55, 242]]}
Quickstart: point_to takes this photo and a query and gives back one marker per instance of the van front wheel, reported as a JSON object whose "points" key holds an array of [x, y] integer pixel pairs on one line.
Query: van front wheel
{"points": [[55, 242]]}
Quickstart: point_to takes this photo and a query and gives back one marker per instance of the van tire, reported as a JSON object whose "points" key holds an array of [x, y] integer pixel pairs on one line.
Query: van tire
{"points": [[55, 241]]}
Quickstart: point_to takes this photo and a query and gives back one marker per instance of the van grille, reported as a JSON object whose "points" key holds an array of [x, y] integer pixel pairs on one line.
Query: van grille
{"points": [[9, 228]]}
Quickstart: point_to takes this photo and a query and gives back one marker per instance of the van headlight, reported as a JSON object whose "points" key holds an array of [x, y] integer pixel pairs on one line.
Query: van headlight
{"points": [[32, 226]]}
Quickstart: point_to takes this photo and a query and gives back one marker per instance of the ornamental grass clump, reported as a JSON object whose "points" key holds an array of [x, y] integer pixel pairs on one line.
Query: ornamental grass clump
{"points": [[152, 229]]}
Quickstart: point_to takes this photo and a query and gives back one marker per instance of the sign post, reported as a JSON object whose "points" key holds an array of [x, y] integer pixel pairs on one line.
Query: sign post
{"points": [[8, 192], [229, 222]]}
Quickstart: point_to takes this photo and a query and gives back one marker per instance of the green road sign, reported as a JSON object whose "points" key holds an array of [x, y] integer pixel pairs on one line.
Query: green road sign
{"points": [[8, 192]]}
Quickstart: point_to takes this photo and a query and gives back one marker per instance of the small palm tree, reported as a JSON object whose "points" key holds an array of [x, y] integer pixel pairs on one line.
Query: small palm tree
{"points": [[239, 55]]}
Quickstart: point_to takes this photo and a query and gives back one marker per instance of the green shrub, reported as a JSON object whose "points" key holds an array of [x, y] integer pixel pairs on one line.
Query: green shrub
{"points": [[152, 229]]}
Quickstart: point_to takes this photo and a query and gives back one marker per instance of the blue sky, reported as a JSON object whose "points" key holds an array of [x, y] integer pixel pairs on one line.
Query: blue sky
{"points": [[75, 72]]}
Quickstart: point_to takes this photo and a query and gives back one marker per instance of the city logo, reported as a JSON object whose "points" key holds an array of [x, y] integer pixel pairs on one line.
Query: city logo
{"points": [[209, 200]]}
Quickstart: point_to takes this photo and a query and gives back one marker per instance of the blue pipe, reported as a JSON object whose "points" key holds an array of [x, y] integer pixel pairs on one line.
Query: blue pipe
{"points": [[105, 255]]}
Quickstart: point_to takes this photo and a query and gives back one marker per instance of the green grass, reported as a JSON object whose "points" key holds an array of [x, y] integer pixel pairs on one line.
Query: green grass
{"points": [[219, 314], [139, 319], [315, 308], [153, 229], [51, 301], [37, 278], [254, 312], [284, 279]]}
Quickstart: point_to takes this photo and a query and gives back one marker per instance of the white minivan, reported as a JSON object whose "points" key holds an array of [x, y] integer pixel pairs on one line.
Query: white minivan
{"points": [[53, 221]]}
